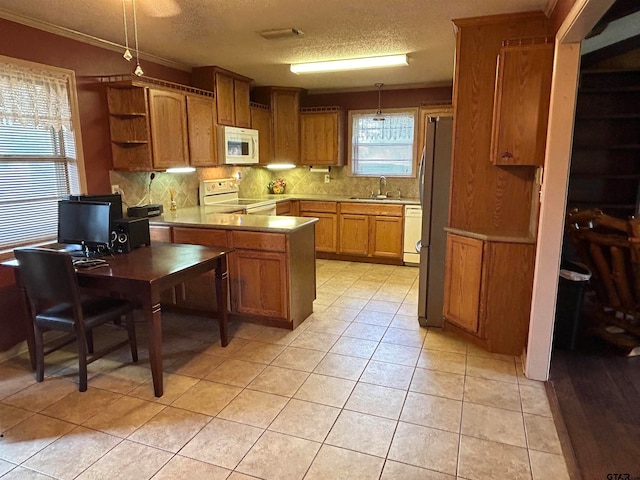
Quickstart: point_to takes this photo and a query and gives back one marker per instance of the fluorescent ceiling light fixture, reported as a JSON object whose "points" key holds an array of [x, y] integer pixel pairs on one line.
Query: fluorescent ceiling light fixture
{"points": [[350, 64], [181, 170], [280, 166]]}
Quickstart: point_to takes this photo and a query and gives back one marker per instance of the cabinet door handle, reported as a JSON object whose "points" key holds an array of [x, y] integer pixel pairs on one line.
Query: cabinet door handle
{"points": [[507, 156]]}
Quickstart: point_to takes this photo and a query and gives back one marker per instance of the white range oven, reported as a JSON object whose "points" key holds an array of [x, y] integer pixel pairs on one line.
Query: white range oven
{"points": [[221, 196]]}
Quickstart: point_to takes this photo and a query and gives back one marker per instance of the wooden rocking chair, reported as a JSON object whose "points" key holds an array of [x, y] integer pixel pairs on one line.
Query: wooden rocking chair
{"points": [[610, 247]]}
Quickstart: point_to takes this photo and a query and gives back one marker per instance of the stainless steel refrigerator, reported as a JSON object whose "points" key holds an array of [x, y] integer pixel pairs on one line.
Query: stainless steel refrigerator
{"points": [[434, 178]]}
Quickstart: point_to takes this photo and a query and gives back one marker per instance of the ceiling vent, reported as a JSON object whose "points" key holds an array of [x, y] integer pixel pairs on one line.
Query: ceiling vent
{"points": [[278, 33]]}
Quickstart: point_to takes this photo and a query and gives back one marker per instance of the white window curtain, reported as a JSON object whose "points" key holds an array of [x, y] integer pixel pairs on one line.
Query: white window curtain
{"points": [[38, 161], [34, 97]]}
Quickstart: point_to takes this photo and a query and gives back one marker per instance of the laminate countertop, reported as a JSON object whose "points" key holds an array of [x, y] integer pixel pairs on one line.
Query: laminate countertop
{"points": [[340, 198], [201, 217]]}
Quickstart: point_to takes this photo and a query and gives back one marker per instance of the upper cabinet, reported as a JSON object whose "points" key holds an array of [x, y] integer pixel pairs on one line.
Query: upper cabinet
{"points": [[484, 197], [285, 109], [155, 128], [231, 91], [168, 119], [261, 120], [322, 136], [201, 118], [521, 105]]}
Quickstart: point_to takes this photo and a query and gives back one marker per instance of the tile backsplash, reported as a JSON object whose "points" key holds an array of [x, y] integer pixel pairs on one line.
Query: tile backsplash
{"points": [[136, 186]]}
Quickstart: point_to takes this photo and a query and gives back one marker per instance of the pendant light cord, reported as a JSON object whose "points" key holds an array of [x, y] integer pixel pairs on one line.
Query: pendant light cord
{"points": [[124, 17], [135, 31]]}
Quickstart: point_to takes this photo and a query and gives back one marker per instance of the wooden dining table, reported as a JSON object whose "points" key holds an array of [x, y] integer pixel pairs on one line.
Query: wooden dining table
{"points": [[142, 275]]}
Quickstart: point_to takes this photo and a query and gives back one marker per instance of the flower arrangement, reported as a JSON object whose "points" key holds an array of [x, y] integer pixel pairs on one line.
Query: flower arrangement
{"points": [[277, 186]]}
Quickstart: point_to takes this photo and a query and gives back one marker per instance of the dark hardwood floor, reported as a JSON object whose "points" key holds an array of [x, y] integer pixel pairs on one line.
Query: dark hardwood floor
{"points": [[598, 392]]}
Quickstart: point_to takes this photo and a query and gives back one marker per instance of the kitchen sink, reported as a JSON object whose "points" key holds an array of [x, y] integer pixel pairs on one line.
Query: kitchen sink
{"points": [[370, 198]]}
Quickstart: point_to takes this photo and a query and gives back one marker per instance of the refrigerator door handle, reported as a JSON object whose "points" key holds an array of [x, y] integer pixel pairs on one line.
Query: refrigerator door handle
{"points": [[421, 176], [418, 246]]}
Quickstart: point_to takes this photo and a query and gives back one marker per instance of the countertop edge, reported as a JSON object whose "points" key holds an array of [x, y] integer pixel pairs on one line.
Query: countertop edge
{"points": [[340, 198], [491, 237], [162, 222]]}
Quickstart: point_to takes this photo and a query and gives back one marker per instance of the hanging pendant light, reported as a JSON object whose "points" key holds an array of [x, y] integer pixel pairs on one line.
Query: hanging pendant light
{"points": [[379, 117], [127, 53], [138, 71]]}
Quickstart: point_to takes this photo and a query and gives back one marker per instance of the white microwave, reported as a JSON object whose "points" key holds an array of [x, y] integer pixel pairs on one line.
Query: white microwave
{"points": [[237, 146]]}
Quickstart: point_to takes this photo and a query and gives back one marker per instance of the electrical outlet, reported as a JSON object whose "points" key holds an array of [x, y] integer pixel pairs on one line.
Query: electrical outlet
{"points": [[115, 188], [327, 178]]}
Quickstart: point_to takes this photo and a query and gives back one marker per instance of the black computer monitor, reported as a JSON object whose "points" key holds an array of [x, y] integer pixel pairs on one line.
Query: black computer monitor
{"points": [[115, 199], [84, 223]]}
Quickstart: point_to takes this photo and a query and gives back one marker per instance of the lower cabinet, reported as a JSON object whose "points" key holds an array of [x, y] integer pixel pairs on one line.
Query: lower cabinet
{"points": [[463, 281], [327, 225], [488, 286], [287, 208], [258, 283], [265, 284], [354, 238], [386, 236], [371, 230]]}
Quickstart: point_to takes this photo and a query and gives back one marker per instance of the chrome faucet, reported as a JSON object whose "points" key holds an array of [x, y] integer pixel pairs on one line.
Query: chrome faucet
{"points": [[381, 181]]}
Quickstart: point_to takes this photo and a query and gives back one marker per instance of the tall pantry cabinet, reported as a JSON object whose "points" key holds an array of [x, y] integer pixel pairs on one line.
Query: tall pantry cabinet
{"points": [[494, 204]]}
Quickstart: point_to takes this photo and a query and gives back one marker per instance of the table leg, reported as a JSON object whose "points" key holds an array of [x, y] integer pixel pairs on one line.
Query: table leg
{"points": [[221, 296], [152, 316]]}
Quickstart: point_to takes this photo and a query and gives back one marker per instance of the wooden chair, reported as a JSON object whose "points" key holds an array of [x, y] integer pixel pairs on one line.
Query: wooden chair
{"points": [[51, 284], [610, 247]]}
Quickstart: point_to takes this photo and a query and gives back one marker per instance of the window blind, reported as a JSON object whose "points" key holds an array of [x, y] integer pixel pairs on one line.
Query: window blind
{"points": [[382, 147], [37, 168]]}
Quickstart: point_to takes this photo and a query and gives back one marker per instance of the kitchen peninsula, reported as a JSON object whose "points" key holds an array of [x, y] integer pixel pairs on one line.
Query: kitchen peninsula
{"points": [[272, 273]]}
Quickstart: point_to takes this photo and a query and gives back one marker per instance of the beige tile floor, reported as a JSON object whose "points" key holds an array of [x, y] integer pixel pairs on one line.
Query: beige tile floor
{"points": [[358, 391]]}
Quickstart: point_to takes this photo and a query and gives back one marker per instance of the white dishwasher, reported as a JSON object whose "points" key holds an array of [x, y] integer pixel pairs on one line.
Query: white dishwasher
{"points": [[412, 233]]}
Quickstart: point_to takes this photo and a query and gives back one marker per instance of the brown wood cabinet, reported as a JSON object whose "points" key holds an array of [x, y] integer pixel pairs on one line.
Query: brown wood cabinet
{"points": [[154, 126], [372, 230], [521, 106], [463, 279], [268, 297], [386, 236], [231, 93], [327, 227], [201, 115], [271, 275], [287, 207], [488, 291], [261, 120], [484, 197], [322, 136], [354, 234], [489, 265], [285, 110], [168, 120]]}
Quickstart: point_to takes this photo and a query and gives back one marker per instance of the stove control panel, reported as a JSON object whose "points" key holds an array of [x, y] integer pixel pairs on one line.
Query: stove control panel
{"points": [[223, 188]]}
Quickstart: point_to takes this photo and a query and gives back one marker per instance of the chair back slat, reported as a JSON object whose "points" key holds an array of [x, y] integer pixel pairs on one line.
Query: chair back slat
{"points": [[620, 263]]}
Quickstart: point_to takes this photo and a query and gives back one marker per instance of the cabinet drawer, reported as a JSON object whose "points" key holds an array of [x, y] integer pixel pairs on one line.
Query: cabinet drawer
{"points": [[323, 207], [274, 242], [372, 209], [283, 208], [200, 236]]}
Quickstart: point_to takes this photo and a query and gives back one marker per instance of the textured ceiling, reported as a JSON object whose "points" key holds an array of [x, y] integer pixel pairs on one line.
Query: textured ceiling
{"points": [[225, 33]]}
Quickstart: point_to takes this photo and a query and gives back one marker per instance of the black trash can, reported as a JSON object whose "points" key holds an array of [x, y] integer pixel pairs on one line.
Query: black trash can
{"points": [[572, 284]]}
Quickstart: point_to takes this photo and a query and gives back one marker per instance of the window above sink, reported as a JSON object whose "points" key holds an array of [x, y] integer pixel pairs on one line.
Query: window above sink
{"points": [[383, 143]]}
